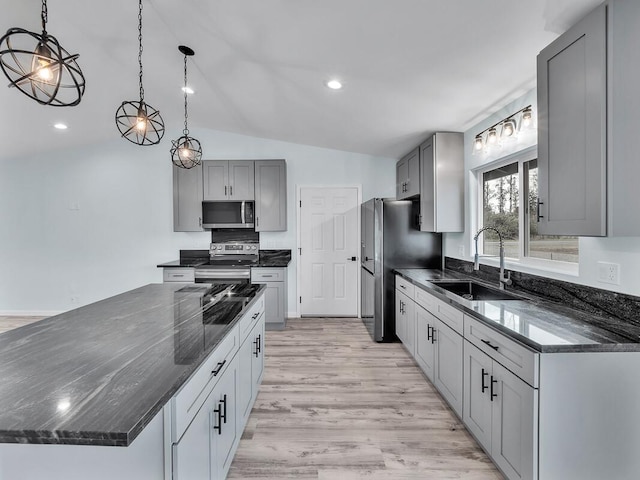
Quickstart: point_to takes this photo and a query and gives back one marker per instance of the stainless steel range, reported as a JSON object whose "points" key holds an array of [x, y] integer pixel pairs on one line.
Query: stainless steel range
{"points": [[230, 261]]}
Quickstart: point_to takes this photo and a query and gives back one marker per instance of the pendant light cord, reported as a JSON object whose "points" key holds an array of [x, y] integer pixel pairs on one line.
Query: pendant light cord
{"points": [[140, 48], [45, 18], [186, 114]]}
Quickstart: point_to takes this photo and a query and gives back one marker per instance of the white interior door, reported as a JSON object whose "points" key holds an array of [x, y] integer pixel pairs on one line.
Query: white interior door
{"points": [[329, 247]]}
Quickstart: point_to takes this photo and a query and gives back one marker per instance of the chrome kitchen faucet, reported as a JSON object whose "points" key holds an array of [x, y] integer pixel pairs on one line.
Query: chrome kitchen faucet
{"points": [[504, 279]]}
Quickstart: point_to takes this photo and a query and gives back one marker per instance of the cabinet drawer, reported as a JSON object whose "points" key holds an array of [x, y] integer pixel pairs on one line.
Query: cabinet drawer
{"points": [[513, 355], [179, 275], [260, 275], [451, 316], [194, 392], [249, 319], [405, 287], [426, 301]]}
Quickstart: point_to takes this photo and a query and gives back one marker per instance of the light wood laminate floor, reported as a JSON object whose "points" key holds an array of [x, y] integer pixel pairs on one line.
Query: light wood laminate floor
{"points": [[9, 323], [335, 405]]}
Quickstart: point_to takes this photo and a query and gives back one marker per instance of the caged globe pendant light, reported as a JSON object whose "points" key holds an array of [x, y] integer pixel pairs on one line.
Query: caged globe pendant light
{"points": [[47, 73], [186, 151], [138, 121]]}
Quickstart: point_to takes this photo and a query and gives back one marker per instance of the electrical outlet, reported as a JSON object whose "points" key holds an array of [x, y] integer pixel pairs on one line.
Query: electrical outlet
{"points": [[461, 251], [609, 273]]}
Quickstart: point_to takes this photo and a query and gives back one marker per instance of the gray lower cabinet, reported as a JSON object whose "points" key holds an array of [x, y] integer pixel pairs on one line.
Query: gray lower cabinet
{"points": [[438, 351], [408, 175], [206, 449], [251, 368], [204, 420], [179, 274], [501, 412], [275, 280], [405, 321], [187, 199], [572, 130], [270, 196]]}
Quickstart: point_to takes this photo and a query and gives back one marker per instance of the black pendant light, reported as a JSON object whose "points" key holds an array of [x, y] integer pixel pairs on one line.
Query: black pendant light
{"points": [[138, 121], [47, 72], [186, 151]]}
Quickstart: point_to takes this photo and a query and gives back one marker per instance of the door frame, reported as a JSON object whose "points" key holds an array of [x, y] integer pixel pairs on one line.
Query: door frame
{"points": [[299, 189]]}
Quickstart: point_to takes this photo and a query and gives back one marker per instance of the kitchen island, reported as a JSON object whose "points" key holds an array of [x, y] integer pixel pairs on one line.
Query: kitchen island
{"points": [[108, 390]]}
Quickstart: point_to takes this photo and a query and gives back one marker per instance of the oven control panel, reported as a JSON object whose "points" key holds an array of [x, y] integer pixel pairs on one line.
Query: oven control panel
{"points": [[233, 249]]}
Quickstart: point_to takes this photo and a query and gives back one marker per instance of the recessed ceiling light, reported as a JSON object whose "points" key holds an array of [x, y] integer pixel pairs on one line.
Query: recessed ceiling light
{"points": [[188, 90], [60, 126], [334, 84]]}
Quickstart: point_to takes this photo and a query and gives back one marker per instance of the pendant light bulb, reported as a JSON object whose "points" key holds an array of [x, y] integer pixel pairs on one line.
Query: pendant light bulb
{"points": [[137, 121], [46, 73], [186, 151]]}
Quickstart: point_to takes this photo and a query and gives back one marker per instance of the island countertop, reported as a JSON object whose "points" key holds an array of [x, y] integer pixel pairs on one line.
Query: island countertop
{"points": [[98, 375]]}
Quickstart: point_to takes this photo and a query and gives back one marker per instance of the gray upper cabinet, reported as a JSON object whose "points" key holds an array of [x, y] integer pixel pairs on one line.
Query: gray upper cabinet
{"points": [[442, 183], [572, 127], [187, 199], [624, 120], [228, 180], [270, 195], [408, 175]]}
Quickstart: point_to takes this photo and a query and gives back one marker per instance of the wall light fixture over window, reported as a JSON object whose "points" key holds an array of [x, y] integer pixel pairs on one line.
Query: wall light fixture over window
{"points": [[46, 73], [506, 130]]}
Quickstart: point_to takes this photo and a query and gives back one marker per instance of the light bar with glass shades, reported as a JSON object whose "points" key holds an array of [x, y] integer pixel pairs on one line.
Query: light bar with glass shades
{"points": [[503, 131], [138, 121], [46, 72], [186, 151]]}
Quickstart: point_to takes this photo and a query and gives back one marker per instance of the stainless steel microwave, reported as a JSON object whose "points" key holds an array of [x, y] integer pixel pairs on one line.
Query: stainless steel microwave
{"points": [[228, 214]]}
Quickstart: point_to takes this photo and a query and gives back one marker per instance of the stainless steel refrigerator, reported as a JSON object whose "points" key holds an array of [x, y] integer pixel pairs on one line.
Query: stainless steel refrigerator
{"points": [[391, 239]]}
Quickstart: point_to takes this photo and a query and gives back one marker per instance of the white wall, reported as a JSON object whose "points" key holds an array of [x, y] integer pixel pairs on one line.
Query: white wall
{"points": [[624, 251], [84, 224]]}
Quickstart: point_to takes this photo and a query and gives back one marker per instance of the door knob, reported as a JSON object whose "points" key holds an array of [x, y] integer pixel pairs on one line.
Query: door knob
{"points": [[352, 259]]}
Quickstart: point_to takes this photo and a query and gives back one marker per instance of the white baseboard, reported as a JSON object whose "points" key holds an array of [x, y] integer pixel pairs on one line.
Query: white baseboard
{"points": [[29, 313], [293, 315]]}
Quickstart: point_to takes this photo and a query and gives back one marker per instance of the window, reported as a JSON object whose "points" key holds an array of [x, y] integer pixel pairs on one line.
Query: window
{"points": [[509, 199]]}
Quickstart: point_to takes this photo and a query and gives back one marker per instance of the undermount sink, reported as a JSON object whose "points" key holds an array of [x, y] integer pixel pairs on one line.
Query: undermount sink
{"points": [[474, 291]]}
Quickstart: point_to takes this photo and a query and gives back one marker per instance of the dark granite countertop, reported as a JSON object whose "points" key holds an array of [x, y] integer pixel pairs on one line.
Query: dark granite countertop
{"points": [[543, 325], [266, 258], [98, 375]]}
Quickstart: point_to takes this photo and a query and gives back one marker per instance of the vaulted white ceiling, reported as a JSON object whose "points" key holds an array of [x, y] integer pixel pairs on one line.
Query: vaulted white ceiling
{"points": [[409, 67]]}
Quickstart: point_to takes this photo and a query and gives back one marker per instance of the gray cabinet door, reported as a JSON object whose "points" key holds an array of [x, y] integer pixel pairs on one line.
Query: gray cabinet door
{"points": [[514, 424], [216, 179], [572, 121], [408, 175], [442, 183], [624, 121], [245, 380], [274, 302], [476, 388], [187, 199], [401, 319], [191, 455], [425, 341], [271, 195], [223, 418], [448, 373], [241, 180]]}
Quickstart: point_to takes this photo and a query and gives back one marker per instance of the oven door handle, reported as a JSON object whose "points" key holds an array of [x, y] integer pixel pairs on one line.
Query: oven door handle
{"points": [[216, 274]]}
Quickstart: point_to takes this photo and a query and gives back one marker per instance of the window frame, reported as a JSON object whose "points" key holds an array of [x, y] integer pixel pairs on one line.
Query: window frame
{"points": [[521, 158]]}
